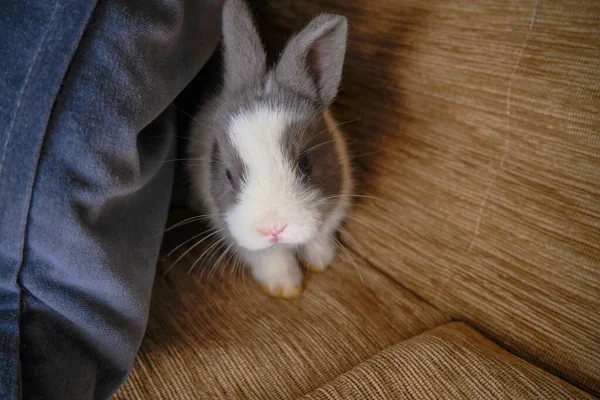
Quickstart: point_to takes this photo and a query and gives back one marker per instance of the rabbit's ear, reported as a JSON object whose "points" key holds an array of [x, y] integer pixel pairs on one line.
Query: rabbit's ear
{"points": [[244, 55], [312, 61]]}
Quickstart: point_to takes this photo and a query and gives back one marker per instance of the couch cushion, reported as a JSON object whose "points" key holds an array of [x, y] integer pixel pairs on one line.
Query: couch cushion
{"points": [[215, 335], [449, 362], [485, 122]]}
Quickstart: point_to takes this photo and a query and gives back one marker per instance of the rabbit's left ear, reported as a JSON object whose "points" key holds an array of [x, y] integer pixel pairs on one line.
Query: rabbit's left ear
{"points": [[244, 56], [312, 61]]}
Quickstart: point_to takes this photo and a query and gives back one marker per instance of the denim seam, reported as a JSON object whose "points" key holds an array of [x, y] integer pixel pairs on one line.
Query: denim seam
{"points": [[37, 165], [25, 82], [17, 372]]}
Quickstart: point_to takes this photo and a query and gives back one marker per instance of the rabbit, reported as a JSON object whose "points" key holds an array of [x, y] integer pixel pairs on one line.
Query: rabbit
{"points": [[272, 171]]}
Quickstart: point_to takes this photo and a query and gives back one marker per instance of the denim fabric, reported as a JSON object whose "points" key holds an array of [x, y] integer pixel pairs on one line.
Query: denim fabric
{"points": [[85, 126]]}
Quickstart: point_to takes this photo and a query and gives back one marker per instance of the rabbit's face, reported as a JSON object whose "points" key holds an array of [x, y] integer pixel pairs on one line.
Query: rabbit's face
{"points": [[275, 172]]}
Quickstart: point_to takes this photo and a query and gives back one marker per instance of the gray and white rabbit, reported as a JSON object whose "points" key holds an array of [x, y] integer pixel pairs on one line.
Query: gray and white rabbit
{"points": [[272, 170]]}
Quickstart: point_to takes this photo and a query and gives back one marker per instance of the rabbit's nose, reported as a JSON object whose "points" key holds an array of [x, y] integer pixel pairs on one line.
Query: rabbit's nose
{"points": [[273, 231], [272, 226]]}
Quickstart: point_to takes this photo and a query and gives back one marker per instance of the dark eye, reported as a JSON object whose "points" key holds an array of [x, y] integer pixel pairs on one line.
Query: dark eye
{"points": [[228, 175], [303, 164]]}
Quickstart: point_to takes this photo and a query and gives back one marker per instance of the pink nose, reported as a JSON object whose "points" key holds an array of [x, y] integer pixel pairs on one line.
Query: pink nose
{"points": [[273, 232]]}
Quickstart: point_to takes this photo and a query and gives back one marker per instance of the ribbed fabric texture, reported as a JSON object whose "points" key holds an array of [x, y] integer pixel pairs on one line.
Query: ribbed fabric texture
{"points": [[478, 126], [475, 129], [213, 335], [450, 362]]}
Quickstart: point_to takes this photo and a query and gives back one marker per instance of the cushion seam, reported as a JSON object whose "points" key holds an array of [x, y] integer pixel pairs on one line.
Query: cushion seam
{"points": [[432, 329]]}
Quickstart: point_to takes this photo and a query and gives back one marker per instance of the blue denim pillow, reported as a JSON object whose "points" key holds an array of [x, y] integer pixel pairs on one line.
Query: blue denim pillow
{"points": [[85, 124]]}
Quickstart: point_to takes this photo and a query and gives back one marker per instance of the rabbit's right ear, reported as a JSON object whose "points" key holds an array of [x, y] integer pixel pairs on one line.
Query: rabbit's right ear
{"points": [[244, 56]]}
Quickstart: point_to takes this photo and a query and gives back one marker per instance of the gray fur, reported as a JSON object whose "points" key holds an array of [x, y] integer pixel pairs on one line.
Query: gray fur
{"points": [[313, 138], [244, 55], [308, 131], [312, 60], [296, 85]]}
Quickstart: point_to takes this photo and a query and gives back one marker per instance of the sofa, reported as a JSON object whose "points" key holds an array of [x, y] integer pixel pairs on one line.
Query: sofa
{"points": [[470, 265]]}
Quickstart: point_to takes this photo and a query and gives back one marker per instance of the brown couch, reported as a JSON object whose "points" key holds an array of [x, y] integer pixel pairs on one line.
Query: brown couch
{"points": [[471, 270]]}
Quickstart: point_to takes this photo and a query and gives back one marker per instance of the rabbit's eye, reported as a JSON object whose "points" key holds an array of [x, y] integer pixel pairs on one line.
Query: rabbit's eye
{"points": [[228, 175], [303, 164]]}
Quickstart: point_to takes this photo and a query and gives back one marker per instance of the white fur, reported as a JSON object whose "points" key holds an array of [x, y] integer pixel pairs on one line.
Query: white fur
{"points": [[271, 194], [276, 268], [319, 252]]}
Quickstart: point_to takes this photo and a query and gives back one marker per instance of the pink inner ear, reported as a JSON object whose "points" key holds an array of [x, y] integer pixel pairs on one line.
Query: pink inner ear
{"points": [[315, 61]]}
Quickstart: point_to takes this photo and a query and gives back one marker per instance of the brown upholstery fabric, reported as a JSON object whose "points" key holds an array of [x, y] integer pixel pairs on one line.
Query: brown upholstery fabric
{"points": [[485, 122], [475, 128], [216, 336], [450, 362]]}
